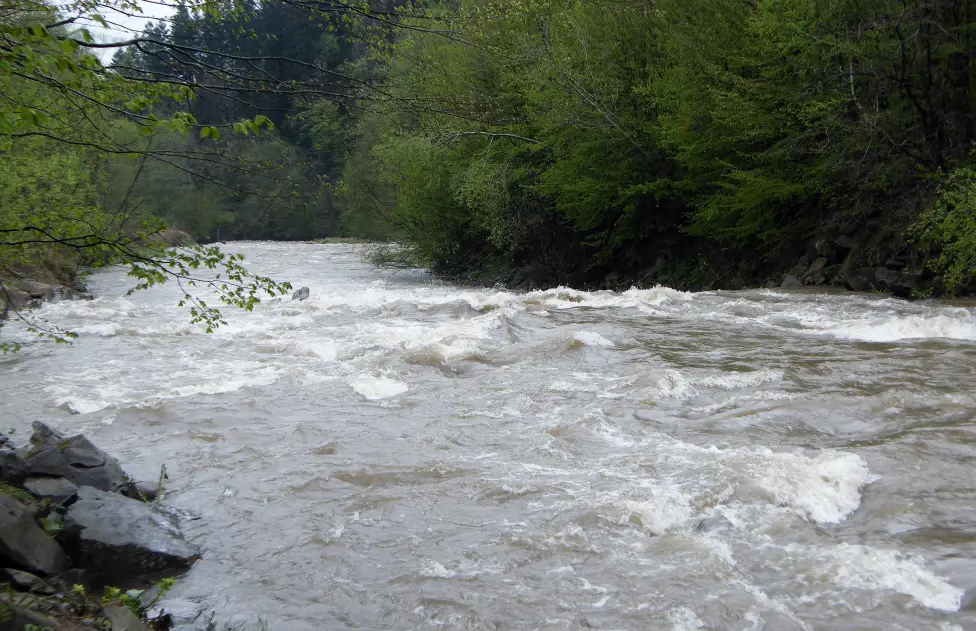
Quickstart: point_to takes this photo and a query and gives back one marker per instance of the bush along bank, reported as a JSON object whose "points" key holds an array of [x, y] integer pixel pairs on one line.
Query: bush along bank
{"points": [[72, 523], [699, 144]]}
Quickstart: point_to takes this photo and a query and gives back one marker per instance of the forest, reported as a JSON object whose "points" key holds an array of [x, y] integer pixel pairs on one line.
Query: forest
{"points": [[594, 143]]}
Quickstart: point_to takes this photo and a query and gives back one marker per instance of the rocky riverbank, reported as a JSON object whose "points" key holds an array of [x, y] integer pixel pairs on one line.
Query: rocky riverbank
{"points": [[25, 293], [73, 526]]}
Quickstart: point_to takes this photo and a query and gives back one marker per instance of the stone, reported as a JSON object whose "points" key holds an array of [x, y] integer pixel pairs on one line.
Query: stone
{"points": [[717, 523], [844, 242], [25, 581], [123, 618], [791, 282], [58, 490], [115, 537], [14, 298], [24, 544], [21, 617], [13, 468], [860, 279], [773, 284], [301, 294], [814, 275], [902, 283], [74, 458], [143, 491], [801, 266], [38, 291]]}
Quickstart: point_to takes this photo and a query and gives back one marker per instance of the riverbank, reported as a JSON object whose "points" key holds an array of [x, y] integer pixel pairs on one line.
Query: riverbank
{"points": [[74, 529], [842, 262]]}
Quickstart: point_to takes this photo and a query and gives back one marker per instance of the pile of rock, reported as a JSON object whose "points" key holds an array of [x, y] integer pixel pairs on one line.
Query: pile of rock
{"points": [[23, 294], [70, 515], [831, 263]]}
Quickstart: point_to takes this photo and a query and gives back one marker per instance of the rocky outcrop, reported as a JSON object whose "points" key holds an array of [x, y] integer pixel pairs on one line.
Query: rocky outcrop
{"points": [[22, 294], [74, 459], [113, 537], [23, 544], [301, 294], [57, 532], [76, 490]]}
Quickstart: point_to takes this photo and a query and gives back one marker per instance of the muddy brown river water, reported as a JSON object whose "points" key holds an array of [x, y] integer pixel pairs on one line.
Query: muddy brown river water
{"points": [[401, 453]]}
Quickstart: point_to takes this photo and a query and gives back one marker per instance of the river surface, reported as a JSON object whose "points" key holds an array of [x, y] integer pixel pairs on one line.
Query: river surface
{"points": [[401, 453]]}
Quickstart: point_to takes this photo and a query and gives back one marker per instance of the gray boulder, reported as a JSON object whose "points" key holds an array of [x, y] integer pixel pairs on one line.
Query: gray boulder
{"points": [[124, 619], [791, 282], [13, 468], [23, 543], [814, 274], [860, 279], [38, 291], [58, 490], [147, 491], [13, 298], [25, 581], [114, 537], [75, 459], [301, 294]]}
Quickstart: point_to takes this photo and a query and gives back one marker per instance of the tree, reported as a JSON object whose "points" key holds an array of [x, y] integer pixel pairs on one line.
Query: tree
{"points": [[67, 117]]}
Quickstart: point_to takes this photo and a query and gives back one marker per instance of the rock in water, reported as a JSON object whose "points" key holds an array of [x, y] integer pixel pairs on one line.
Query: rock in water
{"points": [[791, 282], [58, 490], [301, 294], [114, 537], [23, 543], [75, 459]]}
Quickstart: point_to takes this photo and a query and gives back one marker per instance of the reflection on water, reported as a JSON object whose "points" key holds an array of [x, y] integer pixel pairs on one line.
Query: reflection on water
{"points": [[405, 454]]}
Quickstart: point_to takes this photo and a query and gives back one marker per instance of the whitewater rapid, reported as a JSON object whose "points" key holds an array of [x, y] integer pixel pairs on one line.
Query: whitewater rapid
{"points": [[397, 452]]}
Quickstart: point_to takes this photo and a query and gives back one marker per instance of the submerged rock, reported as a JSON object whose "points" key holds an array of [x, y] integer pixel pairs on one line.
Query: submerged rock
{"points": [[114, 537], [23, 543], [75, 459], [301, 294]]}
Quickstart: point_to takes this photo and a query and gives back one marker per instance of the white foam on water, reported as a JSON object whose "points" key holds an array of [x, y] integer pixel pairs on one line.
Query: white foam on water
{"points": [[375, 387], [666, 509], [78, 405], [825, 488], [674, 385], [433, 569], [589, 338], [684, 619], [114, 385], [731, 381], [960, 326], [864, 567], [232, 383]]}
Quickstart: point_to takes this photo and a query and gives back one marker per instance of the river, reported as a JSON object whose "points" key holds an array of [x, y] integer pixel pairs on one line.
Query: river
{"points": [[401, 453]]}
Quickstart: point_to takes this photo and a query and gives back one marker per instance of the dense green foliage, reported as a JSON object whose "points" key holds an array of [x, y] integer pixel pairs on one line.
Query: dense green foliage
{"points": [[692, 142], [550, 141]]}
